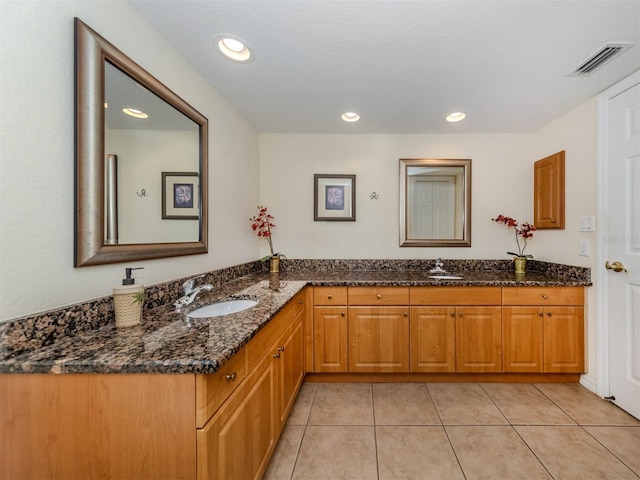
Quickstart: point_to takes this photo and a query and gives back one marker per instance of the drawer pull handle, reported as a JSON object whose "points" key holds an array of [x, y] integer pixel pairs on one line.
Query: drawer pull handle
{"points": [[281, 349], [231, 377], [276, 355], [379, 296], [329, 297]]}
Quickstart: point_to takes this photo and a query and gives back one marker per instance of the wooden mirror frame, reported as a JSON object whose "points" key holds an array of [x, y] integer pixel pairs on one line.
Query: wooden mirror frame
{"points": [[465, 241], [91, 53]]}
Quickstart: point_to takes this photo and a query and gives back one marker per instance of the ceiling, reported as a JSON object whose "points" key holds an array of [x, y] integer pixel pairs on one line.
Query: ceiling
{"points": [[403, 65]]}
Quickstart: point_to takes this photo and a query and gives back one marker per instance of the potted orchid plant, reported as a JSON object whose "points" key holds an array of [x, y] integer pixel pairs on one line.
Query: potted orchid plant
{"points": [[524, 230], [262, 223]]}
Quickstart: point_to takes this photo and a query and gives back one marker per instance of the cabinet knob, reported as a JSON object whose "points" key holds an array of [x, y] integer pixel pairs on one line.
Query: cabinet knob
{"points": [[329, 296], [379, 296], [545, 296], [301, 302], [231, 377], [549, 314], [406, 314], [281, 349], [342, 314], [452, 314], [539, 314], [460, 314], [276, 355]]}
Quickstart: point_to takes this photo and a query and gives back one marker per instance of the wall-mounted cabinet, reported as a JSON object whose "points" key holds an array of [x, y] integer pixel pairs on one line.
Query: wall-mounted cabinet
{"points": [[548, 192]]}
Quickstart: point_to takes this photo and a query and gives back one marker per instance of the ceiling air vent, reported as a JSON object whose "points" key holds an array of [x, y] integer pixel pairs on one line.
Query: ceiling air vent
{"points": [[599, 58]]}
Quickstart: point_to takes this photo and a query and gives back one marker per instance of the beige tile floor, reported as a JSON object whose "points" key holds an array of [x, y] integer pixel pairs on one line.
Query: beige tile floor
{"points": [[455, 431]]}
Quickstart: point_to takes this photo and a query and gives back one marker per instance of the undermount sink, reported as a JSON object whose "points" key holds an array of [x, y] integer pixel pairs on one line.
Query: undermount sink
{"points": [[445, 277], [222, 308]]}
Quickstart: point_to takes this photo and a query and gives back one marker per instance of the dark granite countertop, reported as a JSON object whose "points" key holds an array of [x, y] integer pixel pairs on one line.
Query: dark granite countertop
{"points": [[169, 342]]}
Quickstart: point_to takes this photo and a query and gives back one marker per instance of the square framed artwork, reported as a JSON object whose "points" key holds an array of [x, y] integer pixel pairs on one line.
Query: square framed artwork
{"points": [[180, 196], [334, 197]]}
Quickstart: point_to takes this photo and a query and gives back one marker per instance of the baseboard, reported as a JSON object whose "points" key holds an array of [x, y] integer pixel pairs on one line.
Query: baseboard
{"points": [[443, 377], [589, 382]]}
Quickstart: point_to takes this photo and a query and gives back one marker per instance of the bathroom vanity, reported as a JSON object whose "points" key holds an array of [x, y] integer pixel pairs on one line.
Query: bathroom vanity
{"points": [[179, 397]]}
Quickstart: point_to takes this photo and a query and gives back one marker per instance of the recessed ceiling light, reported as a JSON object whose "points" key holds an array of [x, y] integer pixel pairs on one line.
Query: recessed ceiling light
{"points": [[350, 117], [456, 116], [234, 48], [134, 112]]}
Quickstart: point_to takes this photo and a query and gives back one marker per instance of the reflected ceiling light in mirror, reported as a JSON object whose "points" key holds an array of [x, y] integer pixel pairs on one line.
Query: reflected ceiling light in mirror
{"points": [[456, 117], [350, 117], [233, 48], [134, 112]]}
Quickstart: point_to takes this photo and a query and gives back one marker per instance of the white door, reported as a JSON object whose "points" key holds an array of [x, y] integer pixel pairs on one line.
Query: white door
{"points": [[622, 248]]}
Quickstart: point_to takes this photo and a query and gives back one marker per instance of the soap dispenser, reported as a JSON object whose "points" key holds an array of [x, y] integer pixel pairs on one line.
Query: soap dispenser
{"points": [[128, 300]]}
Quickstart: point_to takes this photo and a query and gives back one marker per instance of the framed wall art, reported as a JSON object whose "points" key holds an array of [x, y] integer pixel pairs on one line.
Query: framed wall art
{"points": [[180, 196], [334, 197]]}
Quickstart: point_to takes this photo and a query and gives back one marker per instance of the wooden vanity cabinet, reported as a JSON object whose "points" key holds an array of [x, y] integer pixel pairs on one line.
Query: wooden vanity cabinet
{"points": [[237, 442], [456, 329], [330, 341], [543, 329], [378, 329]]}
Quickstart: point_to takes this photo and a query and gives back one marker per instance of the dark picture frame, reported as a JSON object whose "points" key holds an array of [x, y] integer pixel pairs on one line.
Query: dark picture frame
{"points": [[180, 195], [334, 198]]}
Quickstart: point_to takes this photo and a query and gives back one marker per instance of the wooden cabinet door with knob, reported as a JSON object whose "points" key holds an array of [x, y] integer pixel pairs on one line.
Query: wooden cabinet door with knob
{"points": [[330, 344], [433, 339], [478, 339], [548, 192]]}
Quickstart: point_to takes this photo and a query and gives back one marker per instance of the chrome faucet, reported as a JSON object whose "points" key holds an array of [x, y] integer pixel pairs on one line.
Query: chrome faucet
{"points": [[438, 268], [191, 292]]}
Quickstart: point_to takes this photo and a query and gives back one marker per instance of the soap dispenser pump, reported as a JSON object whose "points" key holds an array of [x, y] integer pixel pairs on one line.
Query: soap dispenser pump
{"points": [[128, 300]]}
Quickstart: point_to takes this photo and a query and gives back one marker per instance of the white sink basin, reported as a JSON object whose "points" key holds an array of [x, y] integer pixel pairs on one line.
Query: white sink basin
{"points": [[222, 308], [445, 277]]}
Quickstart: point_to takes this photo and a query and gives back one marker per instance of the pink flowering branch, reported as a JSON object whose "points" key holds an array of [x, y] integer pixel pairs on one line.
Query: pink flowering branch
{"points": [[525, 230]]}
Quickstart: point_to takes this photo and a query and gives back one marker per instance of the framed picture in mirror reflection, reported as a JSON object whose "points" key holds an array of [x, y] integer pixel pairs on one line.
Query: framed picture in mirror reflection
{"points": [[180, 195]]}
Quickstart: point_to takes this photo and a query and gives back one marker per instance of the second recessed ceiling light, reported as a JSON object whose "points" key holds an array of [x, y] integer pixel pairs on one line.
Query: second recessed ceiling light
{"points": [[234, 49], [456, 117], [350, 117]]}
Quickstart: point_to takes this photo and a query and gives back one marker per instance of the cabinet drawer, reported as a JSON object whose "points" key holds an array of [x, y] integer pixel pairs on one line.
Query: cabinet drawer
{"points": [[372, 296], [214, 388], [330, 295], [543, 296], [455, 295]]}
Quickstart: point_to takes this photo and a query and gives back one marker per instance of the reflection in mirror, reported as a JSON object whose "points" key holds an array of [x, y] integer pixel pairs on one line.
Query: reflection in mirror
{"points": [[435, 203], [120, 161]]}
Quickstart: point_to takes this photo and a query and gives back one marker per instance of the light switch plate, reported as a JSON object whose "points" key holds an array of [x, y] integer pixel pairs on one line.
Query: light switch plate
{"points": [[587, 223], [584, 247]]}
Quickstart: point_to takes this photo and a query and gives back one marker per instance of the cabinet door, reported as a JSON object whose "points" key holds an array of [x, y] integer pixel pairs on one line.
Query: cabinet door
{"points": [[433, 332], [564, 339], [522, 338], [478, 339], [330, 339], [290, 368], [378, 339], [238, 441], [548, 192]]}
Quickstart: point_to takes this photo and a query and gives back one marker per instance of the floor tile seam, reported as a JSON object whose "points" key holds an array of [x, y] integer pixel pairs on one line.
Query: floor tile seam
{"points": [[494, 403], [556, 404], [434, 405], [455, 454], [533, 452], [304, 432], [608, 450]]}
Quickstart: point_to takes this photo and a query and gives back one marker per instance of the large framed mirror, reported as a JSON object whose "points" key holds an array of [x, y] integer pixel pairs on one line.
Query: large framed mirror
{"points": [[132, 167], [435, 203]]}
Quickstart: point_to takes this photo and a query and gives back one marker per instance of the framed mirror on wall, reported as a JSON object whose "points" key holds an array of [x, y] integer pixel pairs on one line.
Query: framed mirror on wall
{"points": [[435, 202], [131, 130]]}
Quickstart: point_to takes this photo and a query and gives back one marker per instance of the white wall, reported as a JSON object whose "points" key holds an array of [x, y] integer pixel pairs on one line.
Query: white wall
{"points": [[502, 182], [576, 133], [37, 155]]}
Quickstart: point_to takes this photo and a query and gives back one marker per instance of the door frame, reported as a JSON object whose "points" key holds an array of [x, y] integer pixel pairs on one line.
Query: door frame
{"points": [[602, 324]]}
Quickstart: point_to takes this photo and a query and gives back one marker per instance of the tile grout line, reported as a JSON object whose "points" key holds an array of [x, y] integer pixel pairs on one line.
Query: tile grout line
{"points": [[444, 428], [375, 431], [304, 432]]}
